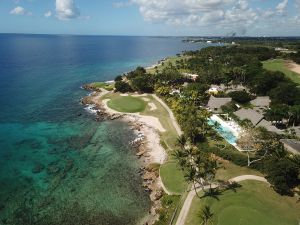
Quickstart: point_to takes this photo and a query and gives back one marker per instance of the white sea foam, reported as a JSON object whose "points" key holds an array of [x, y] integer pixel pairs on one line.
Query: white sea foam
{"points": [[91, 109]]}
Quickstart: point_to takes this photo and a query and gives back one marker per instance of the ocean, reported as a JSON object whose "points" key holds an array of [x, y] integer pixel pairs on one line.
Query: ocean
{"points": [[57, 164]]}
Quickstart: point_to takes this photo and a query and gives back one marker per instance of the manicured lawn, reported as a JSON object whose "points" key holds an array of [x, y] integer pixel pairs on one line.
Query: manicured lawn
{"points": [[108, 87], [127, 104], [281, 65], [170, 61], [229, 170], [253, 203], [173, 178]]}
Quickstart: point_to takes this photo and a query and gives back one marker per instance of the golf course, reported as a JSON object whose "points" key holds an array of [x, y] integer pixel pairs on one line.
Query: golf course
{"points": [[282, 66], [127, 104], [252, 203]]}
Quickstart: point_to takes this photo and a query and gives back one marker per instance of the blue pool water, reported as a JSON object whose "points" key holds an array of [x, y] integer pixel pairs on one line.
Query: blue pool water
{"points": [[225, 132]]}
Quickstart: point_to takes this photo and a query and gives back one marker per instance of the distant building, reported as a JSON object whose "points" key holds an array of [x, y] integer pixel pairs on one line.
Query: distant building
{"points": [[191, 76], [215, 104], [291, 145], [285, 50]]}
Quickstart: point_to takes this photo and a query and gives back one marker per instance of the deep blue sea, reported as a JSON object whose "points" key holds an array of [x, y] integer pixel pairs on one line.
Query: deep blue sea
{"points": [[57, 164]]}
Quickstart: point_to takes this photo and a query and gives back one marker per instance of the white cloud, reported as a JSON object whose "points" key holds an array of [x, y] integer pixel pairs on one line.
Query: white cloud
{"points": [[48, 14], [180, 11], [281, 7], [236, 16], [20, 11], [231, 13], [66, 9]]}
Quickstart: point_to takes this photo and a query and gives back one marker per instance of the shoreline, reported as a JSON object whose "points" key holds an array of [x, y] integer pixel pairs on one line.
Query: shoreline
{"points": [[147, 145]]}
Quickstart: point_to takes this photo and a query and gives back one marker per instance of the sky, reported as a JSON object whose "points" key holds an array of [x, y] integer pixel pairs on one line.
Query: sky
{"points": [[152, 17]]}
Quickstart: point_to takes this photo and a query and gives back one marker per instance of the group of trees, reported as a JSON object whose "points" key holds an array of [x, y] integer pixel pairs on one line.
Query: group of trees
{"points": [[198, 166], [138, 80], [226, 65]]}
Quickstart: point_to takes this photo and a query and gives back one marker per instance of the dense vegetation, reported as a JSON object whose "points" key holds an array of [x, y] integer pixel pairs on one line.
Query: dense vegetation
{"points": [[187, 98]]}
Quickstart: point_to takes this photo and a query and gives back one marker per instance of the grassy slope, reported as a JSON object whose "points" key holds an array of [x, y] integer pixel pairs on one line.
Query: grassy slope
{"points": [[280, 65], [253, 203], [127, 104]]}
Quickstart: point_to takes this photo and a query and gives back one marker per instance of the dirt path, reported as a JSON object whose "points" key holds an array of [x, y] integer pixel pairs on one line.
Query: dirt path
{"points": [[188, 201], [173, 119]]}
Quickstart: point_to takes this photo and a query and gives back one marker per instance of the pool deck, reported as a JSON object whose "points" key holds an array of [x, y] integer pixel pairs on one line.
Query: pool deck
{"points": [[232, 126]]}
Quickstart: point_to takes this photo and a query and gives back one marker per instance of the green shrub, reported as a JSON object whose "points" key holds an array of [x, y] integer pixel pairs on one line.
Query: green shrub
{"points": [[122, 86], [240, 96]]}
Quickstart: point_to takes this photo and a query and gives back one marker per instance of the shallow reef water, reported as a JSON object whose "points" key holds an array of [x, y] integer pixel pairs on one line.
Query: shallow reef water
{"points": [[89, 177], [57, 164]]}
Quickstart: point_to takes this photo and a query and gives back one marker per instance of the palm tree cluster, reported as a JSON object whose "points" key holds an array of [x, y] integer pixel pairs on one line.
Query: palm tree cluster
{"points": [[199, 167]]}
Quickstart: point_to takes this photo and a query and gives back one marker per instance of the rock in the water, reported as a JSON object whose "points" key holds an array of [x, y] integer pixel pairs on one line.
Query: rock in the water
{"points": [[38, 168]]}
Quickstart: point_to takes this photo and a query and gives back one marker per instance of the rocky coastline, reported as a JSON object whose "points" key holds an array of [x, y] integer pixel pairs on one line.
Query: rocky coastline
{"points": [[143, 146]]}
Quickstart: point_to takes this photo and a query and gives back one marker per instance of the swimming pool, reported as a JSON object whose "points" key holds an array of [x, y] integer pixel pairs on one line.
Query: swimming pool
{"points": [[225, 130]]}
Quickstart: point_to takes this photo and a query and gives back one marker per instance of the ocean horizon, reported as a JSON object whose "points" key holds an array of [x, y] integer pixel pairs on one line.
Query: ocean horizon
{"points": [[56, 162]]}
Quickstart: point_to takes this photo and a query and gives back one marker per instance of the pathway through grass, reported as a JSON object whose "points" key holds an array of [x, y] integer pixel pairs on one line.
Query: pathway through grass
{"points": [[253, 203]]}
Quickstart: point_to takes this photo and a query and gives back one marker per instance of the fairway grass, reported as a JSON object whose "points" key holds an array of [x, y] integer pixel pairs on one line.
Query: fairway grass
{"points": [[253, 203], [281, 65], [173, 178], [108, 87], [127, 104]]}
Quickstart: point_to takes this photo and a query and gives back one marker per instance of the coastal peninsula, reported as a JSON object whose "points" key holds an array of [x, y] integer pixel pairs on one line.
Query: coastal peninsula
{"points": [[191, 124]]}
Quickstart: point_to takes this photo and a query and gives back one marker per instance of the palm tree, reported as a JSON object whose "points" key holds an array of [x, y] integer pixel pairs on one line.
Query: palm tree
{"points": [[191, 177], [181, 141], [206, 215]]}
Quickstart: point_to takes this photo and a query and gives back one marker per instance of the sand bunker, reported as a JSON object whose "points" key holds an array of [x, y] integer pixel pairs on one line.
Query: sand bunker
{"points": [[152, 106], [294, 67]]}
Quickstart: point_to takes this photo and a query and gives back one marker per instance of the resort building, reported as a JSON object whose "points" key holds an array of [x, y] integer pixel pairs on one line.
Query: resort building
{"points": [[262, 102], [226, 88], [291, 145], [215, 104], [249, 114], [257, 119]]}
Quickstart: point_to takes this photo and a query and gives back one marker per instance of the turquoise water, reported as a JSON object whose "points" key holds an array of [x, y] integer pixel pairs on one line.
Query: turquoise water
{"points": [[57, 164], [225, 132]]}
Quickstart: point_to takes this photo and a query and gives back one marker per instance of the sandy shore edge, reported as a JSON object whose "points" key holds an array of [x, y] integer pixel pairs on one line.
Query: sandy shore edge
{"points": [[147, 145]]}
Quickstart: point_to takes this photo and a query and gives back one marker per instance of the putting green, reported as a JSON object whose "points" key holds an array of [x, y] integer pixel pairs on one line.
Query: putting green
{"points": [[127, 104], [253, 203]]}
